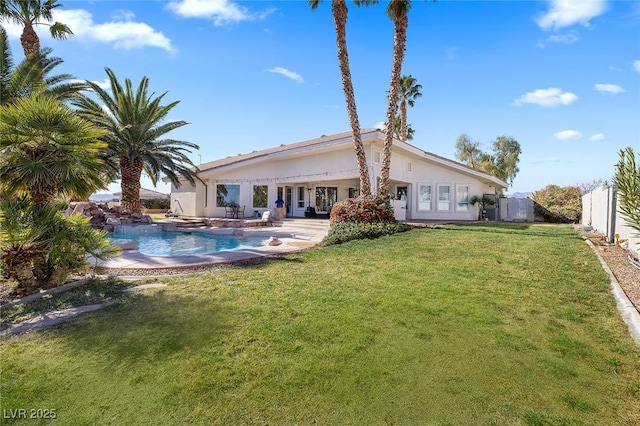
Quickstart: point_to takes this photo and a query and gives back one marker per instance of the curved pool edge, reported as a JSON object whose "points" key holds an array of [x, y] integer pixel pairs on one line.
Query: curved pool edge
{"points": [[132, 260]]}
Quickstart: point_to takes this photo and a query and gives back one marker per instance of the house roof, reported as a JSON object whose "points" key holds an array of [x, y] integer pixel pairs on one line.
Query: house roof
{"points": [[368, 136]]}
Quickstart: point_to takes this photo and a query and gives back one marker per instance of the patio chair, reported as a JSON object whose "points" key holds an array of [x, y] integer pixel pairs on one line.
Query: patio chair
{"points": [[229, 211], [266, 218], [240, 213]]}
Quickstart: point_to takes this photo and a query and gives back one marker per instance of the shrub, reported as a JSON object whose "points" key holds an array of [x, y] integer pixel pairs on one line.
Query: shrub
{"points": [[342, 232], [157, 204], [558, 204], [363, 210]]}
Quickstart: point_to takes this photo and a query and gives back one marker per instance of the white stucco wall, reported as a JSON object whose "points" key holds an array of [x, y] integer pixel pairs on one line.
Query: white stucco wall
{"points": [[597, 212]]}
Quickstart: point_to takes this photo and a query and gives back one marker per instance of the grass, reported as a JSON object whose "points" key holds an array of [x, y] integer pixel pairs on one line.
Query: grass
{"points": [[459, 325]]}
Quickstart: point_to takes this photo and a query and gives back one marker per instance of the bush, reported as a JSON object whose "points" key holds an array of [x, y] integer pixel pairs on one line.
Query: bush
{"points": [[157, 204], [558, 204], [363, 210], [342, 232]]}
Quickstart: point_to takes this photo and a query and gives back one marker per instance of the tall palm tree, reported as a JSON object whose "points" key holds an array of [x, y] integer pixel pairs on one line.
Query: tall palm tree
{"points": [[340, 12], [29, 13], [398, 11], [409, 92], [33, 75], [133, 121]]}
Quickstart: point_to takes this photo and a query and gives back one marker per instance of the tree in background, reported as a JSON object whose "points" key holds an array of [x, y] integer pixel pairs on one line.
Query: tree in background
{"points": [[587, 187], [133, 122], [627, 182], [409, 92], [340, 11], [558, 204], [28, 13], [501, 163], [468, 150]]}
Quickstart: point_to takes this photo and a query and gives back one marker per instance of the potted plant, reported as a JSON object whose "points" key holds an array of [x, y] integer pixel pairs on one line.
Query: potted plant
{"points": [[483, 202]]}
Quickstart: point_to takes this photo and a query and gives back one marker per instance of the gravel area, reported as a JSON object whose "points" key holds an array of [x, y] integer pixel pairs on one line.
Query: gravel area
{"points": [[628, 275]]}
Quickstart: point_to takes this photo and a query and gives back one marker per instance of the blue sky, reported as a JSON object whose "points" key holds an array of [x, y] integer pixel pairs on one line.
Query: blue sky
{"points": [[561, 77]]}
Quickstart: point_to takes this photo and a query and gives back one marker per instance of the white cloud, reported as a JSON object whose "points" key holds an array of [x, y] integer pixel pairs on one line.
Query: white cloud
{"points": [[289, 74], [222, 12], [104, 84], [119, 33], [565, 13], [568, 38], [550, 97], [380, 125], [597, 137], [636, 65], [123, 15], [568, 134], [609, 88]]}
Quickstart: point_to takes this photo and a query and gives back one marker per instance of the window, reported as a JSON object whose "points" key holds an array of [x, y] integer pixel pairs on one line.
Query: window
{"points": [[354, 192], [409, 167], [376, 157], [206, 194], [444, 198], [227, 194], [301, 197], [424, 197], [260, 196], [326, 196], [462, 198]]}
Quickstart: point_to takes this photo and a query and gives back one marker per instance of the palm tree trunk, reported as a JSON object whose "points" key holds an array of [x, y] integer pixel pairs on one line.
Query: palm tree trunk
{"points": [[339, 9], [403, 121], [29, 39], [17, 265], [400, 24], [130, 184]]}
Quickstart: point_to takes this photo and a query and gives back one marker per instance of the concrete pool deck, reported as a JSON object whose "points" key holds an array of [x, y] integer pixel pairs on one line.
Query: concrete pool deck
{"points": [[295, 234]]}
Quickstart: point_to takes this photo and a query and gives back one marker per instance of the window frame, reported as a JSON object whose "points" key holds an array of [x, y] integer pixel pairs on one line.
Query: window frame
{"points": [[220, 201], [266, 197], [438, 193], [466, 202], [420, 194]]}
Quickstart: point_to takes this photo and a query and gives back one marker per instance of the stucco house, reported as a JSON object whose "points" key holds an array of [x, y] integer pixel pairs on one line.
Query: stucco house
{"points": [[314, 174]]}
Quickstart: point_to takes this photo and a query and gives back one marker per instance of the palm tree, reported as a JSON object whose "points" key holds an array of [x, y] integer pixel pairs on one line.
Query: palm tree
{"points": [[33, 75], [28, 13], [408, 130], [48, 150], [409, 92], [340, 12], [398, 11], [133, 121]]}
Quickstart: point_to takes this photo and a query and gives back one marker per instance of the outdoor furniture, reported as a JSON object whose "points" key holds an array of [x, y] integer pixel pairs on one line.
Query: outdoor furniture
{"points": [[234, 212]]}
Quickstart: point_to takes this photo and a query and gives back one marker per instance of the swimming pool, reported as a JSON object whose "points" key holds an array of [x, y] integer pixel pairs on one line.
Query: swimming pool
{"points": [[169, 244]]}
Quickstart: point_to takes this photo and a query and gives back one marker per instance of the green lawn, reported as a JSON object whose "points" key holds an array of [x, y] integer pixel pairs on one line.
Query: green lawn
{"points": [[461, 325]]}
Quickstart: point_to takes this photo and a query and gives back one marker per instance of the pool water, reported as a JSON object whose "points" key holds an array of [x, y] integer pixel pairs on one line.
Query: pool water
{"points": [[168, 244]]}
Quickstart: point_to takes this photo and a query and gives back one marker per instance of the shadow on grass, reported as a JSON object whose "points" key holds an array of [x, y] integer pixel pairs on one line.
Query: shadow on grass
{"points": [[150, 328], [107, 291]]}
